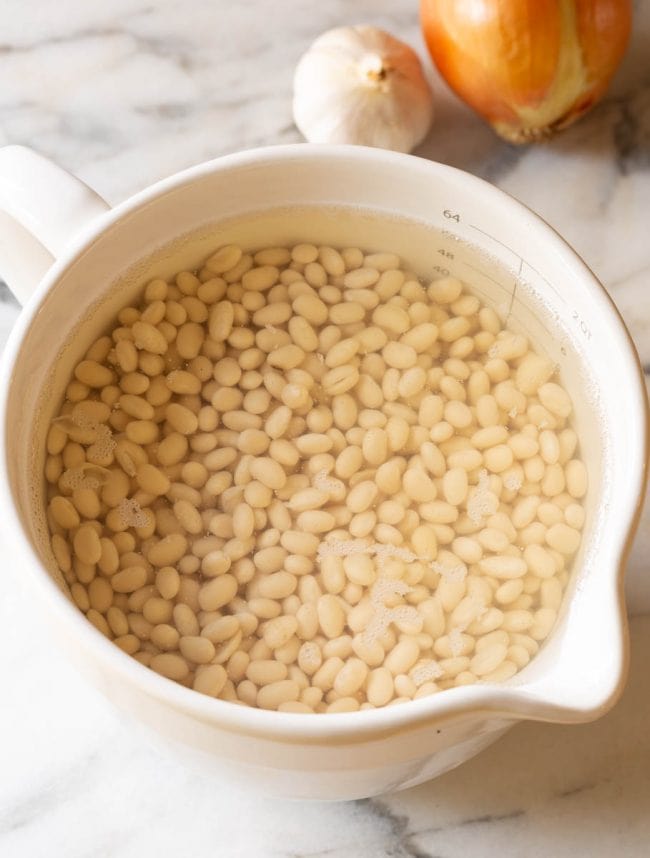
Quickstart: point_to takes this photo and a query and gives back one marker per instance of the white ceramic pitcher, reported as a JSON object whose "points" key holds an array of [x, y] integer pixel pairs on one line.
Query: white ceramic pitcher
{"points": [[69, 258]]}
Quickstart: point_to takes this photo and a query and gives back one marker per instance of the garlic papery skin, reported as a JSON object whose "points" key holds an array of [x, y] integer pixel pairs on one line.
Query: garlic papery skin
{"points": [[360, 85]]}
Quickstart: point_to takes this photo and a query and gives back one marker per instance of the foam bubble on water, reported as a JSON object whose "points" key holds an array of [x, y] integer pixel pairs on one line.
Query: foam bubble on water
{"points": [[456, 641], [101, 441], [451, 573], [404, 614], [378, 624], [427, 671], [512, 482], [481, 502], [72, 479], [83, 421], [342, 547], [382, 616], [384, 588], [310, 654], [131, 513], [85, 476], [324, 483], [346, 547], [76, 420], [395, 552], [104, 445]]}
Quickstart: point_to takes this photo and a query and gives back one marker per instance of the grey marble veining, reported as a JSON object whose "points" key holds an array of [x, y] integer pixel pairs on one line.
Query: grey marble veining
{"points": [[127, 92]]}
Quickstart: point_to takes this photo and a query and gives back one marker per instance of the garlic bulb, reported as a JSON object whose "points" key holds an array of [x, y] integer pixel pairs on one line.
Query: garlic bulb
{"points": [[360, 85]]}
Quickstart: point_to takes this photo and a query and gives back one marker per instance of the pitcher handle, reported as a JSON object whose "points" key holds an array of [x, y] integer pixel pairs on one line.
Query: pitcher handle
{"points": [[41, 208]]}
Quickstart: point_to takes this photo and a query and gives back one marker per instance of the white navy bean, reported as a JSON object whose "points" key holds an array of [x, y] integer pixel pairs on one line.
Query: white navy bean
{"points": [[304, 481]]}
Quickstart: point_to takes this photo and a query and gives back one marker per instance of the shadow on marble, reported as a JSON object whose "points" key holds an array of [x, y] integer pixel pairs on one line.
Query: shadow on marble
{"points": [[80, 782], [621, 122], [542, 790]]}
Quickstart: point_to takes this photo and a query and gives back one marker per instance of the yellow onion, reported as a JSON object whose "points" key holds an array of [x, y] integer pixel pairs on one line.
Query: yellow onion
{"points": [[530, 67]]}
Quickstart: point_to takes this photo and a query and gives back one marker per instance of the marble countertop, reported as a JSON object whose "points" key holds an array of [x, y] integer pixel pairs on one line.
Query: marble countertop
{"points": [[124, 93]]}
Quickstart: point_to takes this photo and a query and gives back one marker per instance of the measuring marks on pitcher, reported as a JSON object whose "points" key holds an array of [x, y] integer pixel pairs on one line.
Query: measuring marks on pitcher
{"points": [[523, 272]]}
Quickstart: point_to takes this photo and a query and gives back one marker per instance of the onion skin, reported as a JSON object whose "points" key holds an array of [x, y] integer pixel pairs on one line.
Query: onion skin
{"points": [[529, 67]]}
